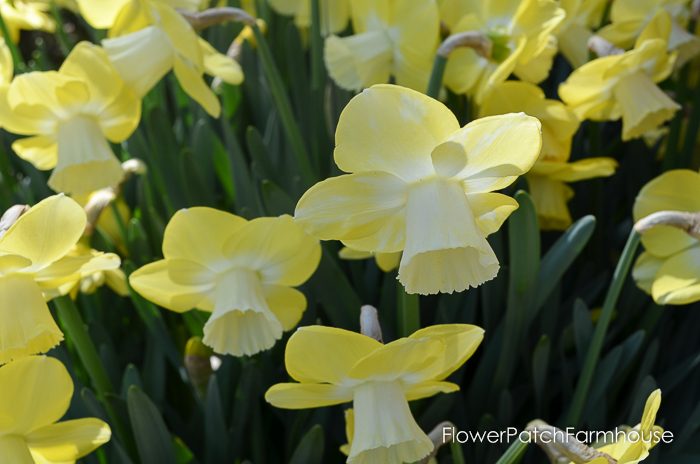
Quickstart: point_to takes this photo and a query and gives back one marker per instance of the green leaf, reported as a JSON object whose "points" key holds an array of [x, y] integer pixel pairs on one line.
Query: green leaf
{"points": [[310, 449], [215, 435], [153, 441]]}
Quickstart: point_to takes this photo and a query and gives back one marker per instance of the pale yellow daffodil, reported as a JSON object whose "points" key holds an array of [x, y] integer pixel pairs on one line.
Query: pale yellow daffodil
{"points": [[669, 268], [243, 272], [36, 392], [335, 366], [72, 114], [335, 14], [26, 15], [522, 42], [392, 38], [629, 18], [35, 261], [624, 86], [420, 184], [552, 171], [149, 38], [582, 18], [385, 261], [633, 447]]}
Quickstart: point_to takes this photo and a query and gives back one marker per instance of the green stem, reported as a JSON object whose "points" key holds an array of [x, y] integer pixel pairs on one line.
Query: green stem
{"points": [[284, 107], [514, 453], [18, 61], [63, 41], [409, 312], [74, 327], [596, 346], [316, 46], [691, 132], [436, 76]]}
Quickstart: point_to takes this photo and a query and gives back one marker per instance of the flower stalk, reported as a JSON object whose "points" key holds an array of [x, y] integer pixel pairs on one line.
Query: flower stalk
{"points": [[684, 220], [471, 39]]}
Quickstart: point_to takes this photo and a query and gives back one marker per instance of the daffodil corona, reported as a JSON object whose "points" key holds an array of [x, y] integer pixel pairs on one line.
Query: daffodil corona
{"points": [[72, 114], [335, 366], [420, 183], [669, 268], [240, 271], [36, 392]]}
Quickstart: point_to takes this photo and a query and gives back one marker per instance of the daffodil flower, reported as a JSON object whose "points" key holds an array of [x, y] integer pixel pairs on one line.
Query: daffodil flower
{"points": [[582, 17], [420, 184], [630, 17], [522, 38], [385, 261], [34, 262], [72, 114], [149, 38], [391, 39], [552, 171], [669, 268], [335, 366], [26, 15], [634, 448], [335, 14], [36, 392], [240, 271]]}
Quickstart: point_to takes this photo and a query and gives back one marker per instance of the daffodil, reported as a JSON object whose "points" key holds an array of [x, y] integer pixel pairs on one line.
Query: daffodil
{"points": [[72, 115], [335, 366], [630, 17], [240, 271], [582, 17], [420, 184], [624, 86], [36, 392], [669, 268], [335, 14], [549, 176], [35, 261], [149, 38], [385, 261], [26, 15], [522, 42], [392, 38], [634, 445]]}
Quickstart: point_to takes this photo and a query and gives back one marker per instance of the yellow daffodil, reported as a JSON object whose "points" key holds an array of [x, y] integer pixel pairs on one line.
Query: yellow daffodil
{"points": [[35, 258], [385, 261], [548, 177], [335, 14], [635, 445], [36, 392], [669, 268], [582, 17], [149, 38], [335, 366], [26, 15], [522, 42], [240, 271], [624, 86], [630, 17], [420, 184], [392, 38], [73, 114]]}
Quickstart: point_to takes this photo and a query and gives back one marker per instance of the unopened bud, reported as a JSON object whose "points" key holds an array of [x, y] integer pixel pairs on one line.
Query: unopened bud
{"points": [[369, 323], [10, 217], [602, 47], [198, 363], [134, 166]]}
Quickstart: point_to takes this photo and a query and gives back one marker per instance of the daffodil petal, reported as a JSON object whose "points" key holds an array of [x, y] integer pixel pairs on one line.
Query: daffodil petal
{"points": [[220, 65], [46, 232], [400, 124], [69, 440], [40, 150], [36, 392], [678, 279], [409, 359], [430, 388], [491, 210], [153, 282], [325, 354], [356, 206], [645, 269], [287, 304], [304, 396], [461, 341]]}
